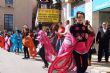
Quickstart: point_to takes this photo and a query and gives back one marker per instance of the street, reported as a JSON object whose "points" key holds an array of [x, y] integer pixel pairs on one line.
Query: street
{"points": [[12, 63]]}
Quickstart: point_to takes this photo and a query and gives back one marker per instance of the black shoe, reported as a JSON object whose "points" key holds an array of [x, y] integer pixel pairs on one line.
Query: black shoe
{"points": [[28, 57], [24, 58], [107, 61], [99, 60], [45, 67]]}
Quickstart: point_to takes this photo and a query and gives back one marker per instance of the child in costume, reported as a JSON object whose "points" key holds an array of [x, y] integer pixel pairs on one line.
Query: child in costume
{"points": [[47, 50], [29, 47], [7, 42], [2, 41], [74, 49]]}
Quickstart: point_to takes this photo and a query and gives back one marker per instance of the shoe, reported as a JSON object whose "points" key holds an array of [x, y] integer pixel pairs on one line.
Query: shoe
{"points": [[24, 58], [28, 57], [45, 67], [89, 62], [17, 53], [107, 61], [99, 60]]}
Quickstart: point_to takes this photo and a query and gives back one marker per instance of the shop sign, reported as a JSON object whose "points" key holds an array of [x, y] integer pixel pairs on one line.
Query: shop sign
{"points": [[48, 15]]}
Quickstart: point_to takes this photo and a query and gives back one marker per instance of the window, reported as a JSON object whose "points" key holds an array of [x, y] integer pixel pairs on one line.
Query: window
{"points": [[43, 5], [8, 22], [8, 1]]}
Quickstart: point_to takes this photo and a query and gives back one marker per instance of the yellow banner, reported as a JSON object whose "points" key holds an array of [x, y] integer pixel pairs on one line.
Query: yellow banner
{"points": [[48, 15]]}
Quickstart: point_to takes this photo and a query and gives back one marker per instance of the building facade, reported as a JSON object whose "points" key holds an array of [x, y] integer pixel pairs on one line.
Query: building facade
{"points": [[14, 14]]}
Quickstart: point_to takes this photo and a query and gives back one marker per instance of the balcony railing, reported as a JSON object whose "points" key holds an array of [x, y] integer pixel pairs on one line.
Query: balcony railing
{"points": [[9, 5]]}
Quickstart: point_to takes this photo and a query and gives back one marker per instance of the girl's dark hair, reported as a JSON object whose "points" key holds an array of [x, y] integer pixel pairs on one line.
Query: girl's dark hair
{"points": [[55, 27], [27, 33], [40, 26], [79, 12]]}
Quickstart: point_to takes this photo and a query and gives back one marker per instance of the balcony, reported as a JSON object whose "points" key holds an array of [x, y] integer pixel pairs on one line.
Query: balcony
{"points": [[9, 5]]}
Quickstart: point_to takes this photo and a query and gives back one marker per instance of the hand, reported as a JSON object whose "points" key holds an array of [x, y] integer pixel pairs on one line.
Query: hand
{"points": [[90, 28], [56, 32]]}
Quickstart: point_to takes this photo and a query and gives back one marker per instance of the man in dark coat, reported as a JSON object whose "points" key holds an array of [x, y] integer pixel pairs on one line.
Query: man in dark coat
{"points": [[102, 39]]}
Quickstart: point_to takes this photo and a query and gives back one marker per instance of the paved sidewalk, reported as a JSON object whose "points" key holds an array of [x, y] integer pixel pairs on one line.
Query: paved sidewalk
{"points": [[99, 67], [12, 63]]}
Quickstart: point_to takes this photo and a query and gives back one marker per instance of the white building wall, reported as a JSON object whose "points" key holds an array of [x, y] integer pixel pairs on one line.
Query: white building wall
{"points": [[69, 12], [88, 11], [66, 13]]}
